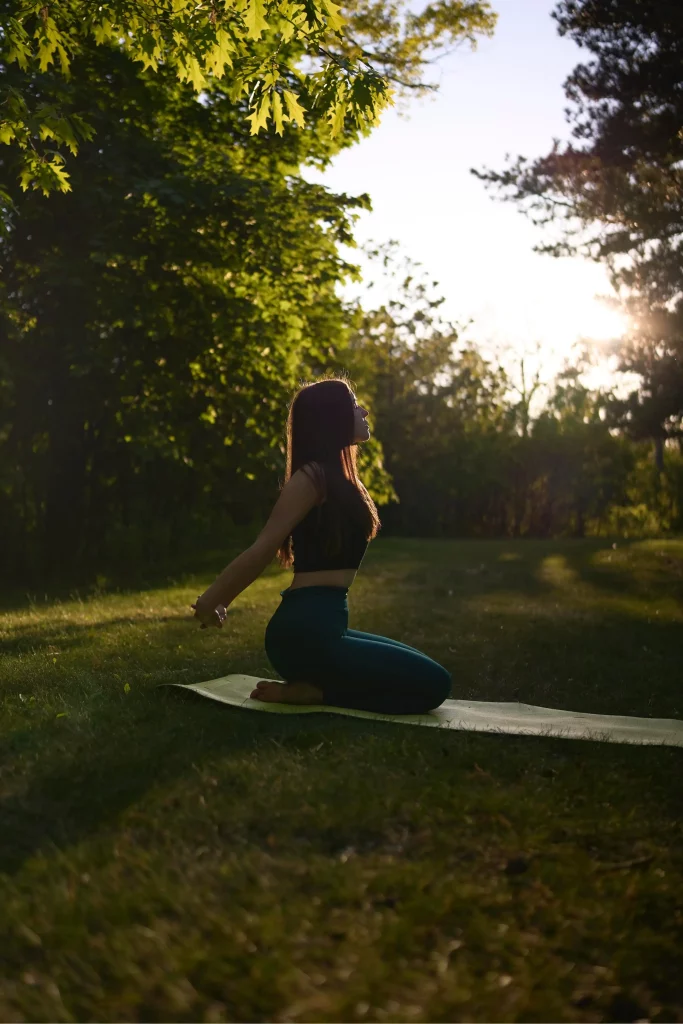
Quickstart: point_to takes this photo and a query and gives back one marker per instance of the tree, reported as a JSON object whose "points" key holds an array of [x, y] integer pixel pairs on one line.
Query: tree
{"points": [[260, 43], [438, 409], [153, 320], [580, 468], [618, 197]]}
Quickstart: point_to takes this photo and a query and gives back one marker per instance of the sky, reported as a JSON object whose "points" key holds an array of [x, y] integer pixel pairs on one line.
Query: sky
{"points": [[505, 97]]}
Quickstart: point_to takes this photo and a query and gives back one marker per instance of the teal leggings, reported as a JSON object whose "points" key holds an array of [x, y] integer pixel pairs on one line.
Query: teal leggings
{"points": [[308, 640]]}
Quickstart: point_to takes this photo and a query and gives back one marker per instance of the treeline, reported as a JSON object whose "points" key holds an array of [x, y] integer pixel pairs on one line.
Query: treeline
{"points": [[155, 320], [467, 458]]}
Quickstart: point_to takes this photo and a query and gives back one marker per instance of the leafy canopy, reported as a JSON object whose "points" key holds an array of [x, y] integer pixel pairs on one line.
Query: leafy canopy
{"points": [[256, 44]]}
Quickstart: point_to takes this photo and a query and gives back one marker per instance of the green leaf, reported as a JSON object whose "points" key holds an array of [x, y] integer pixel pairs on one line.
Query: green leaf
{"points": [[64, 60], [19, 52], [294, 109], [126, 688], [61, 176], [66, 134], [6, 133], [259, 117], [254, 19], [292, 18], [191, 72], [43, 175], [362, 93], [103, 32], [149, 51], [49, 38], [219, 55], [85, 129], [60, 130], [336, 117], [335, 19], [278, 113]]}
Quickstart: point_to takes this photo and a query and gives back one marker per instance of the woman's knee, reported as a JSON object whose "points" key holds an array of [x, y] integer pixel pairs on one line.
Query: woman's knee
{"points": [[440, 689]]}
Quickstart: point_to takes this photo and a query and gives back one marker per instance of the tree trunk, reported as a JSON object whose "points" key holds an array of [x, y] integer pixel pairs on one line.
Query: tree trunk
{"points": [[65, 485]]}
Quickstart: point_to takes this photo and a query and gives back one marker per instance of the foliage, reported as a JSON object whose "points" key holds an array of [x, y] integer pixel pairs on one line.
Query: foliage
{"points": [[155, 321], [253, 46], [458, 441], [652, 500], [156, 317], [617, 197]]}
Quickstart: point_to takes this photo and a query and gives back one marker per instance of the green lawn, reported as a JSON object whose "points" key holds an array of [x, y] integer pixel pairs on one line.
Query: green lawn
{"points": [[168, 858]]}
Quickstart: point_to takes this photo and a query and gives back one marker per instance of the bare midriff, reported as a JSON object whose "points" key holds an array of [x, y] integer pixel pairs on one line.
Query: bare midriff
{"points": [[323, 578]]}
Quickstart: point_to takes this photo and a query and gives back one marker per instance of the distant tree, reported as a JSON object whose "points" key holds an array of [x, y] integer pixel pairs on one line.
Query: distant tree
{"points": [[618, 194], [654, 351], [438, 409], [580, 468]]}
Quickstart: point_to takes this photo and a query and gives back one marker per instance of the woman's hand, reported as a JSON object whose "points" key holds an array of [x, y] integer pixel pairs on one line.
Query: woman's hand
{"points": [[207, 615]]}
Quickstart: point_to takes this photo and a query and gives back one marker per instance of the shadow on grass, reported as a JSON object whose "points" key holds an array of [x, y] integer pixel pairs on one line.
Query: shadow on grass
{"points": [[69, 636], [499, 615], [82, 774], [614, 666], [87, 583], [484, 565], [551, 623], [632, 569], [623, 568], [86, 776]]}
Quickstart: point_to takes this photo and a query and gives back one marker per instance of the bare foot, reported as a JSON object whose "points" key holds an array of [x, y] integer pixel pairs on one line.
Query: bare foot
{"points": [[287, 693]]}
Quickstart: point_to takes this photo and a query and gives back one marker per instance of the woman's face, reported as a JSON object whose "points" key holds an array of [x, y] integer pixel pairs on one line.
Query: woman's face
{"points": [[360, 423]]}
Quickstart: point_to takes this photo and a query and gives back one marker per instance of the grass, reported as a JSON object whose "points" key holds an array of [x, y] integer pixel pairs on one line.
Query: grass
{"points": [[165, 858]]}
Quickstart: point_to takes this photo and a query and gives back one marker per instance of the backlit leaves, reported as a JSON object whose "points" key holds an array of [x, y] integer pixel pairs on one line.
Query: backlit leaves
{"points": [[334, 16], [254, 19], [200, 41], [258, 43], [294, 108], [219, 55], [259, 116], [277, 113]]}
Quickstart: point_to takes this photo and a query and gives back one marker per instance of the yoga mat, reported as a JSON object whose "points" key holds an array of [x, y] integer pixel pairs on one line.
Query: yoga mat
{"points": [[473, 715]]}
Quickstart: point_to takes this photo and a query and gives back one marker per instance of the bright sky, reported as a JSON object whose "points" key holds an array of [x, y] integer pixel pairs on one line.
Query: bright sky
{"points": [[504, 97]]}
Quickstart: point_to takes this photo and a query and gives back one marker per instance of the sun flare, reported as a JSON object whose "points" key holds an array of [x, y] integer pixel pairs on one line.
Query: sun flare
{"points": [[595, 321], [583, 318]]}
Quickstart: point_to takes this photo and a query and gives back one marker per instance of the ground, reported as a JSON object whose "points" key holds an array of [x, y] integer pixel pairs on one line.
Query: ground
{"points": [[165, 858]]}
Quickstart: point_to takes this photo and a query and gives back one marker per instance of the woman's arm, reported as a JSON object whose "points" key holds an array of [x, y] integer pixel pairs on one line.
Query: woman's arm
{"points": [[296, 499], [236, 577]]}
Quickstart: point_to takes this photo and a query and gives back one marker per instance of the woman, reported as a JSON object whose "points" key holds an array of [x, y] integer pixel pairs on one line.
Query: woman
{"points": [[322, 524]]}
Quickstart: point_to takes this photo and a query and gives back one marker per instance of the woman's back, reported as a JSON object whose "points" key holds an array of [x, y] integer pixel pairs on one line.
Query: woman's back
{"points": [[314, 563]]}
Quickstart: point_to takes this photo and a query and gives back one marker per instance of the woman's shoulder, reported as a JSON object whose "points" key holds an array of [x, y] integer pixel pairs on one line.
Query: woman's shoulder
{"points": [[315, 471]]}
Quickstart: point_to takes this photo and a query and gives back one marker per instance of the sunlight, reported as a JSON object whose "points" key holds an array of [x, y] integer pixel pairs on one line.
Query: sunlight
{"points": [[554, 326], [581, 317], [598, 322], [556, 571]]}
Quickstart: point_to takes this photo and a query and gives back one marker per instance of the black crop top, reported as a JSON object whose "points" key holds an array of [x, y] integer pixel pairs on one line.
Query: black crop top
{"points": [[307, 540]]}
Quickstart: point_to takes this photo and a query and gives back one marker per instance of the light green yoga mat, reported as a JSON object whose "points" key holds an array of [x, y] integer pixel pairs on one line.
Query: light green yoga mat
{"points": [[474, 715]]}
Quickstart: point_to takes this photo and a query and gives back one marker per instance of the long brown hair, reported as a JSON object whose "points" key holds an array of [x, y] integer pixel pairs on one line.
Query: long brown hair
{"points": [[320, 430]]}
